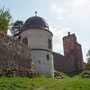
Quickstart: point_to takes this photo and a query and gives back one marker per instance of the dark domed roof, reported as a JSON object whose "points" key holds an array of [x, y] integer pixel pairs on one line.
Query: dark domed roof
{"points": [[35, 22]]}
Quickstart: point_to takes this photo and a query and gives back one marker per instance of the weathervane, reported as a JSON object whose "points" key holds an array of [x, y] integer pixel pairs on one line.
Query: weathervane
{"points": [[35, 13]]}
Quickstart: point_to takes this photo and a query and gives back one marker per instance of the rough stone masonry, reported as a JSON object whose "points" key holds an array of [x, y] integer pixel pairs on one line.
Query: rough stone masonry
{"points": [[14, 54]]}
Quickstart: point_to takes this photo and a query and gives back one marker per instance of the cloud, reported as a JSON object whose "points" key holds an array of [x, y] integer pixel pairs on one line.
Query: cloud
{"points": [[60, 18], [71, 9], [57, 38], [78, 3], [57, 10]]}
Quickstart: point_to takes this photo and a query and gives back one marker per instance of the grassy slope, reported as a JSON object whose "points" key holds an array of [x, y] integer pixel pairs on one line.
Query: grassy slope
{"points": [[71, 81]]}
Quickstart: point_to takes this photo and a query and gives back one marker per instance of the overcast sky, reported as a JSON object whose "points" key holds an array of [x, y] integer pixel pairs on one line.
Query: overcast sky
{"points": [[61, 15]]}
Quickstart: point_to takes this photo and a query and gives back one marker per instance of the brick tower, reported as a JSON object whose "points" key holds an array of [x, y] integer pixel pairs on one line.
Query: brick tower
{"points": [[73, 51]]}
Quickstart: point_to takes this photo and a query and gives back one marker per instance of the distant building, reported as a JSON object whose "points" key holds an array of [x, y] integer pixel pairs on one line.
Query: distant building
{"points": [[72, 59], [35, 33]]}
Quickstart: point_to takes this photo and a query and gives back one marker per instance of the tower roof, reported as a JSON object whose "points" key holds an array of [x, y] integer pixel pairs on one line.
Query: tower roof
{"points": [[35, 22]]}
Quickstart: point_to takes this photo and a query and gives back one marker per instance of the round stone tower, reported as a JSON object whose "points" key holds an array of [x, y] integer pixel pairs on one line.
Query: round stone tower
{"points": [[35, 33]]}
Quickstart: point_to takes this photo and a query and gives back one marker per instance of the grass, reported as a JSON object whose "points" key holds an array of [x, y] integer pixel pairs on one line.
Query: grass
{"points": [[71, 81]]}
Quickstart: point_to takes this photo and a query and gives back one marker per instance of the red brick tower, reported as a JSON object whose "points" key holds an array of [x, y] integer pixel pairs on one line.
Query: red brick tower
{"points": [[73, 51]]}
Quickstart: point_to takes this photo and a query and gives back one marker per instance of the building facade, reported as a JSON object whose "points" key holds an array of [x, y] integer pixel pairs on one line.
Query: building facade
{"points": [[35, 33]]}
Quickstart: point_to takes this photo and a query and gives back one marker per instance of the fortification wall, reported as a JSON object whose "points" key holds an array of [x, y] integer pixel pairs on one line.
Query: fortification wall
{"points": [[14, 54], [63, 64]]}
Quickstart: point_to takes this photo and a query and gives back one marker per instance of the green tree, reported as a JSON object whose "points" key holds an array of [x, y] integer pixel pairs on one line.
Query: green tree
{"points": [[5, 18], [88, 55], [16, 28], [88, 58]]}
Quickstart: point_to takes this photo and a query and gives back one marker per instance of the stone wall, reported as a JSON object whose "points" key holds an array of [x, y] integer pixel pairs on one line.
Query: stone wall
{"points": [[80, 57], [73, 50], [63, 64], [72, 59], [14, 54]]}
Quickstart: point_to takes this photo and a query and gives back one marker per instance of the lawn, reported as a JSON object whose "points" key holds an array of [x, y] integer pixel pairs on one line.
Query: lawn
{"points": [[70, 81]]}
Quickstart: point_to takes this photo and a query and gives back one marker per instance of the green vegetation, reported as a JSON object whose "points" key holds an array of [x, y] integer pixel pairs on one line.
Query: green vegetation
{"points": [[69, 82], [88, 55], [16, 28], [87, 66], [5, 18]]}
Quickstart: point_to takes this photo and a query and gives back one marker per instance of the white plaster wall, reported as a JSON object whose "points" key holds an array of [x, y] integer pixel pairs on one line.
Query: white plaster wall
{"points": [[37, 38], [45, 66]]}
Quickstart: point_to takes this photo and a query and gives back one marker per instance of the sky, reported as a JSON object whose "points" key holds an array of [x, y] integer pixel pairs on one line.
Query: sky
{"points": [[61, 15]]}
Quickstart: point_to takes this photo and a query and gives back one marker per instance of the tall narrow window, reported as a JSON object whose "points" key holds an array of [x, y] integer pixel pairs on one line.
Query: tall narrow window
{"points": [[47, 57], [25, 41], [39, 61], [49, 44]]}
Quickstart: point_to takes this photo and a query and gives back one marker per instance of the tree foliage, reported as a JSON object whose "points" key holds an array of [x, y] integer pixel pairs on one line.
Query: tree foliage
{"points": [[88, 66], [88, 55], [5, 18], [88, 58], [16, 28]]}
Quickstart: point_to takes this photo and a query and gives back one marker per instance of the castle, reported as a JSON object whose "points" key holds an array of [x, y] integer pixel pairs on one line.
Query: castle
{"points": [[37, 36], [35, 33]]}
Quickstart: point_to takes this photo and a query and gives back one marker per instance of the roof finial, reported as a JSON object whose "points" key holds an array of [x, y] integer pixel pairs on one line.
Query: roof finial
{"points": [[35, 13], [68, 33]]}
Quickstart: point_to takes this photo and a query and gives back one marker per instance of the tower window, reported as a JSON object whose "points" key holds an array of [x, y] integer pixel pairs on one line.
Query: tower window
{"points": [[25, 41], [49, 44], [47, 57], [39, 61]]}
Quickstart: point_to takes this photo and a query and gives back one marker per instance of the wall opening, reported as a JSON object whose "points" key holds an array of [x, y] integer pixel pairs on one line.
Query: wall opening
{"points": [[47, 56], [39, 61], [25, 41], [49, 44]]}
